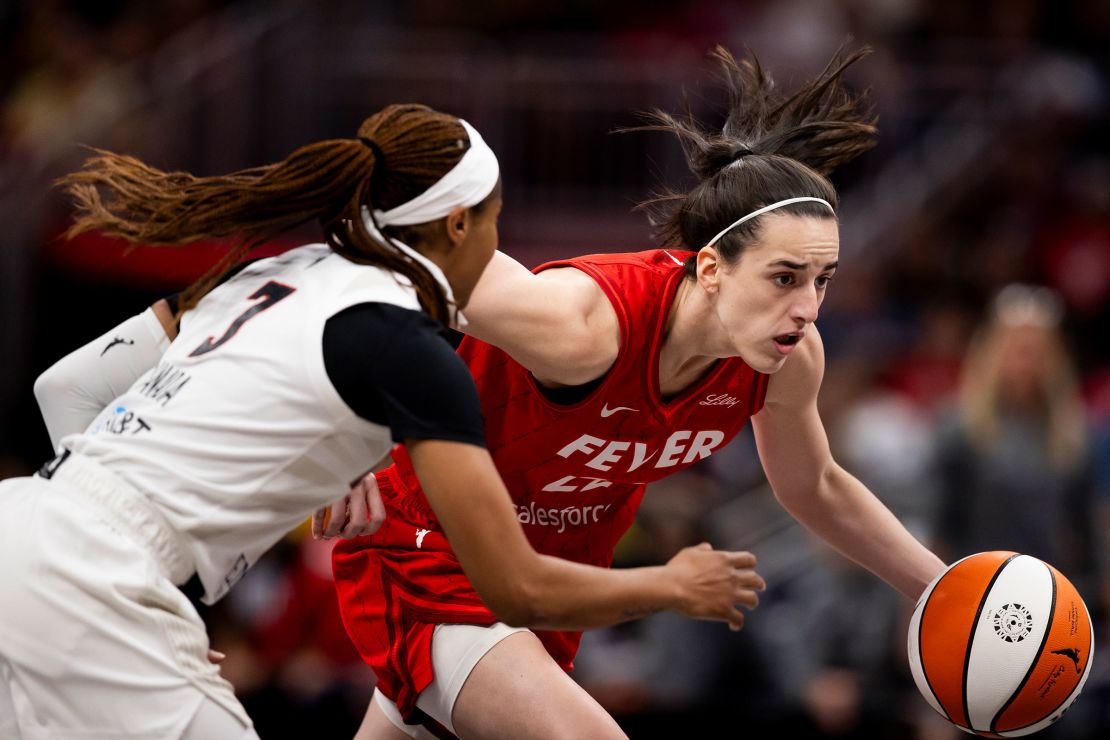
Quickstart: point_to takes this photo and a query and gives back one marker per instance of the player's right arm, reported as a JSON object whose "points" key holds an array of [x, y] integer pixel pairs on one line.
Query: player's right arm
{"points": [[527, 589]]}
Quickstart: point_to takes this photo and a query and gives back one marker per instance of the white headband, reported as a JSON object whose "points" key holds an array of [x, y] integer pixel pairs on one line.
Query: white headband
{"points": [[459, 321], [763, 210], [467, 184]]}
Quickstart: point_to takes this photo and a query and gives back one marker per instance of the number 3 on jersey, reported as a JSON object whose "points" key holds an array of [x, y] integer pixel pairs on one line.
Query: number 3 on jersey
{"points": [[270, 293]]}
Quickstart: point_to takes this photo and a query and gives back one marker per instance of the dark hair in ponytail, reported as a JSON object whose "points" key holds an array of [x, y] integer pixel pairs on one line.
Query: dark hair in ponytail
{"points": [[328, 182], [771, 148]]}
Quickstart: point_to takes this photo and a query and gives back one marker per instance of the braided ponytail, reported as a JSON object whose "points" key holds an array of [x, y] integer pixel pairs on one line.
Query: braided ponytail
{"points": [[328, 182]]}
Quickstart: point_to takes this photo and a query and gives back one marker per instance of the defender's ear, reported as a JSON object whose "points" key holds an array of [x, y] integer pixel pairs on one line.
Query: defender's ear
{"points": [[457, 225]]}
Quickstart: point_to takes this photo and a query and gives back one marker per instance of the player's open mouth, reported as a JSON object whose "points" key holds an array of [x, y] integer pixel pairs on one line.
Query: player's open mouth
{"points": [[784, 343]]}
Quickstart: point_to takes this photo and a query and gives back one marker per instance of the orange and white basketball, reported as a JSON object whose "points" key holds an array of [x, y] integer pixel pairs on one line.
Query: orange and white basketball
{"points": [[1000, 644]]}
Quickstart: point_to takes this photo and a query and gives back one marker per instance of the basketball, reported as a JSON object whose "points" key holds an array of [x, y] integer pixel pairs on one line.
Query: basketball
{"points": [[1000, 644]]}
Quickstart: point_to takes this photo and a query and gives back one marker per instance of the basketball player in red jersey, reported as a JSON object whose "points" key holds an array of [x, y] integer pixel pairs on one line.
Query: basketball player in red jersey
{"points": [[601, 374]]}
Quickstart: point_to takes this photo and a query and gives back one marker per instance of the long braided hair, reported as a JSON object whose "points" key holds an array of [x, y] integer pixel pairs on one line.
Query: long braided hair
{"points": [[329, 182]]}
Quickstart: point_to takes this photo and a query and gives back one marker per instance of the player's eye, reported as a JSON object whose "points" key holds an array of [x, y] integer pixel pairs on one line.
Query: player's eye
{"points": [[783, 280]]}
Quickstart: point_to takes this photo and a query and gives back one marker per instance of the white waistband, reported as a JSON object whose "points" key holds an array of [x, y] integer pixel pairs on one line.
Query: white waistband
{"points": [[128, 509]]}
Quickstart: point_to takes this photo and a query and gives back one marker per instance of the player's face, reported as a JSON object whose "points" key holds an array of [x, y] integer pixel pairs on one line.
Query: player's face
{"points": [[771, 295], [469, 258], [1025, 357]]}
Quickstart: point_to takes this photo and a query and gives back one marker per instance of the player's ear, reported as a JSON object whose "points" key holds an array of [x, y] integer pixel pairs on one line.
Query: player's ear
{"points": [[709, 269], [457, 225]]}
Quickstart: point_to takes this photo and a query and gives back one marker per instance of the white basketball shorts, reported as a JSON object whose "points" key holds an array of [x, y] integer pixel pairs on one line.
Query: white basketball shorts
{"points": [[95, 639]]}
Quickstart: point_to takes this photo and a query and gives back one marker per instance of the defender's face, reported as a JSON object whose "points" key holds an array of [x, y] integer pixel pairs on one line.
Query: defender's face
{"points": [[772, 294]]}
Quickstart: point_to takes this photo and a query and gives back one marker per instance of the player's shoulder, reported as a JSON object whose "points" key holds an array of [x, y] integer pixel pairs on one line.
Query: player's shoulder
{"points": [[653, 260], [579, 289], [622, 273]]}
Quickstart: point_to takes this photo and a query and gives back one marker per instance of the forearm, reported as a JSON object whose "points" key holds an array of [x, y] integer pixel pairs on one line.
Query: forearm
{"points": [[846, 515], [570, 596], [527, 589]]}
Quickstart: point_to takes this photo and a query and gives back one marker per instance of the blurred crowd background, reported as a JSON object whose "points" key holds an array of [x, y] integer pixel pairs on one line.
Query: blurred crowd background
{"points": [[968, 379]]}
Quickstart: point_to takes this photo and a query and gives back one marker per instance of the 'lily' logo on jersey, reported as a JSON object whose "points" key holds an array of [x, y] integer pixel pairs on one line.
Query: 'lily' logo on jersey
{"points": [[683, 447], [719, 399]]}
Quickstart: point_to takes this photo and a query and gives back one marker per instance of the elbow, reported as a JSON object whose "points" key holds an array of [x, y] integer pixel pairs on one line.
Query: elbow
{"points": [[522, 600], [46, 386], [515, 614], [801, 496], [792, 495], [53, 385], [514, 609]]}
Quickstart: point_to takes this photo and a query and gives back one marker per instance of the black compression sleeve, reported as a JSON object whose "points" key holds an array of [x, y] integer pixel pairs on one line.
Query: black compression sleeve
{"points": [[393, 367]]}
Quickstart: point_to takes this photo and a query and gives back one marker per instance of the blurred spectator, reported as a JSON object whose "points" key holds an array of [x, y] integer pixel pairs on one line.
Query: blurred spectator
{"points": [[71, 90], [1014, 464]]}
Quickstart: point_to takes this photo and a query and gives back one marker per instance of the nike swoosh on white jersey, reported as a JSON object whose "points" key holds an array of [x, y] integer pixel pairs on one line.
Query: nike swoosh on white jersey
{"points": [[606, 412]]}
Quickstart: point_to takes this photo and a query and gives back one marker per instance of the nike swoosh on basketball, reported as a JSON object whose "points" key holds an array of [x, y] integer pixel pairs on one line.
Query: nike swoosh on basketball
{"points": [[606, 412]]}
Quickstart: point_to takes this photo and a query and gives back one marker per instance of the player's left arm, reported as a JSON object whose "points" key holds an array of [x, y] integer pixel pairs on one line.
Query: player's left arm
{"points": [[820, 494]]}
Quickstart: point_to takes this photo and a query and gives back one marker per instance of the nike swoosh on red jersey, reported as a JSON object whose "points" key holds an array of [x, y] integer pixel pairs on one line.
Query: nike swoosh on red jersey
{"points": [[606, 412]]}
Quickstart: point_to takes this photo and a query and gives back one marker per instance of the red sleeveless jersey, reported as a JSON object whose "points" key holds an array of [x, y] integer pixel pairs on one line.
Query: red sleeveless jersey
{"points": [[576, 474]]}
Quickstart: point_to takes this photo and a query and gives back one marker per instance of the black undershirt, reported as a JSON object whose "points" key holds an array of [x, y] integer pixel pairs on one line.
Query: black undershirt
{"points": [[394, 367]]}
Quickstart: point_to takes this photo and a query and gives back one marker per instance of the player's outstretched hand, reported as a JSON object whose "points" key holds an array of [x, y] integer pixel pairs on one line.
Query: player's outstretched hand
{"points": [[359, 512], [715, 582]]}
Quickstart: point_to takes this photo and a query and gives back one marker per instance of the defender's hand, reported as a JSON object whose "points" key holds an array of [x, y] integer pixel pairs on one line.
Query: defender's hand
{"points": [[358, 513]]}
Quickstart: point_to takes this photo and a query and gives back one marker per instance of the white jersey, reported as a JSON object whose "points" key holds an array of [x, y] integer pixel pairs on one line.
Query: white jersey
{"points": [[238, 434]]}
